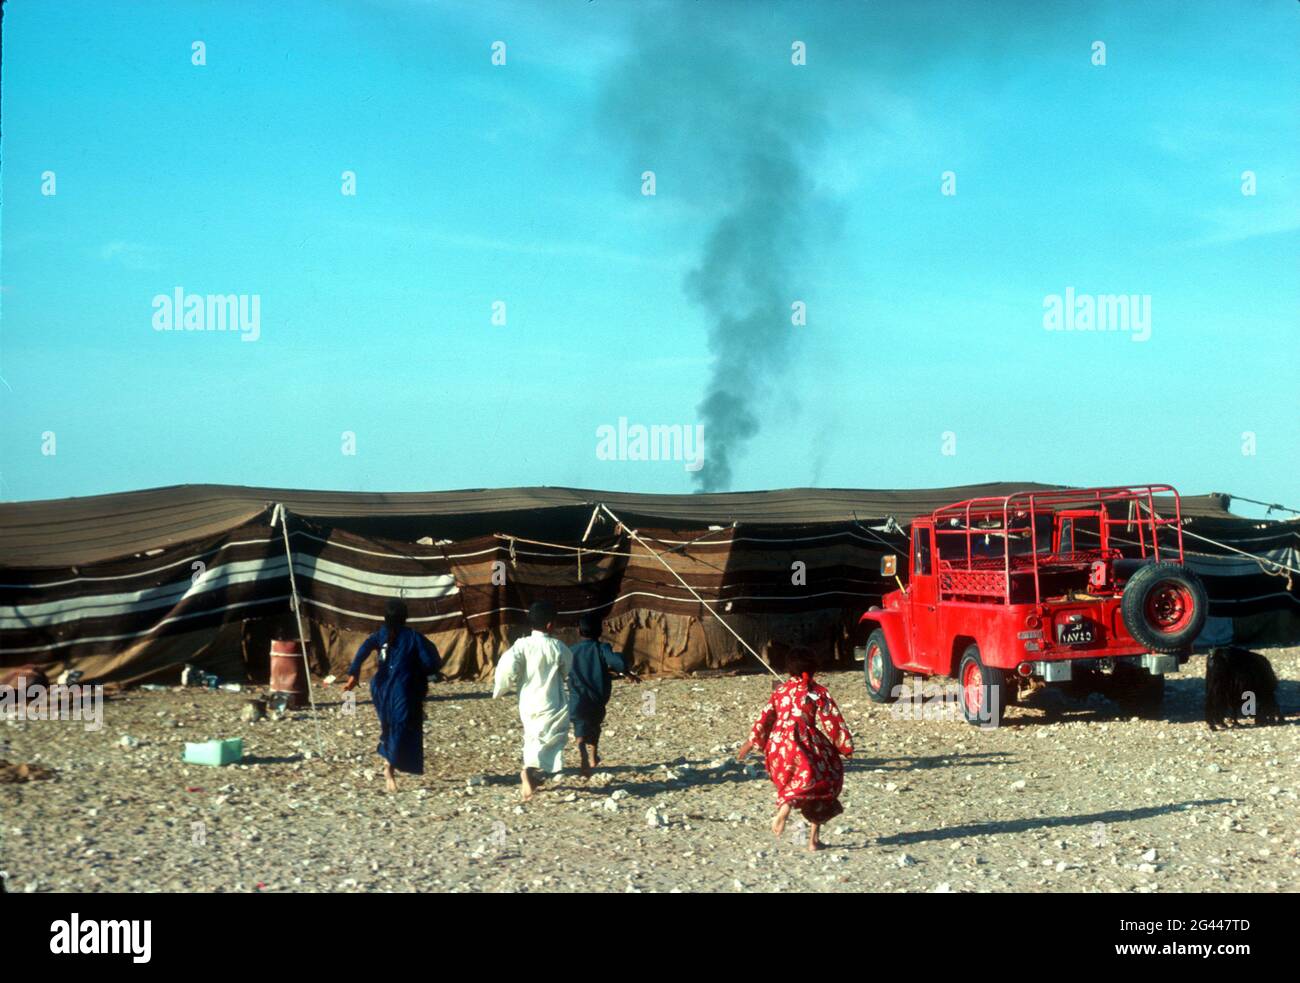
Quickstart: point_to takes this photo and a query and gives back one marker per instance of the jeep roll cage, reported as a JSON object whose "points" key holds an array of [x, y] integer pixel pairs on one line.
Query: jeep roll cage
{"points": [[1032, 527]]}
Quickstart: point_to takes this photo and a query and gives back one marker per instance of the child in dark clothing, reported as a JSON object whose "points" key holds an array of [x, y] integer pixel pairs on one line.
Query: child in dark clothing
{"points": [[590, 687]]}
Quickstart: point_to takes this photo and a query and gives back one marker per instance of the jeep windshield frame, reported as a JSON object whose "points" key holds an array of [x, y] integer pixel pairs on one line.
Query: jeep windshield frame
{"points": [[991, 576]]}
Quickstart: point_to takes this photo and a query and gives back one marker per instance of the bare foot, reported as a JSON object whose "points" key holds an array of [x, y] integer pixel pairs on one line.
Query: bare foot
{"points": [[814, 841], [527, 789], [390, 781], [778, 821]]}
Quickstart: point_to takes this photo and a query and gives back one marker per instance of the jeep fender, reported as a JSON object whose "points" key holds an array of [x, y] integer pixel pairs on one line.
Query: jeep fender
{"points": [[891, 623]]}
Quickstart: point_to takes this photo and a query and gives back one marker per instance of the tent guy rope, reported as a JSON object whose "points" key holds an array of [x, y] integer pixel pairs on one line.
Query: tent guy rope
{"points": [[1271, 506], [709, 607], [1263, 563]]}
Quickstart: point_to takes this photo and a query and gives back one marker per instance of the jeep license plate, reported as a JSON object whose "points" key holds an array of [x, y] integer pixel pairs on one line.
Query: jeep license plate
{"points": [[1074, 633]]}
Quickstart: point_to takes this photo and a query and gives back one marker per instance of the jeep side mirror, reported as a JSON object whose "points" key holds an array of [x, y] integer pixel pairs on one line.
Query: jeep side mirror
{"points": [[888, 565]]}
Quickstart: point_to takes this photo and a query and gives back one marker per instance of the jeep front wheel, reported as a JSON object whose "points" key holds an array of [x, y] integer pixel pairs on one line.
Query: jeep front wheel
{"points": [[983, 690], [883, 677]]}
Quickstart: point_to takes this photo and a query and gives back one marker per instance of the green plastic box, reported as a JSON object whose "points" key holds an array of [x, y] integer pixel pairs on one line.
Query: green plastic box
{"points": [[215, 753]]}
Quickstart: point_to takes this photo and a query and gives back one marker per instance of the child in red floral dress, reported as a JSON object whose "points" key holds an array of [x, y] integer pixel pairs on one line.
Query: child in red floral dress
{"points": [[802, 735]]}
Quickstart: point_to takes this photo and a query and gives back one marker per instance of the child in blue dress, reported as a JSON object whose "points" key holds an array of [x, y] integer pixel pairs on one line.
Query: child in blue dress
{"points": [[406, 661]]}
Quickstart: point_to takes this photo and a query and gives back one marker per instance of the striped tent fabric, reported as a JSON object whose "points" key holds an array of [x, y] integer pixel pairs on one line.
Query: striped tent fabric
{"points": [[84, 616], [216, 598], [346, 580], [102, 608], [794, 571]]}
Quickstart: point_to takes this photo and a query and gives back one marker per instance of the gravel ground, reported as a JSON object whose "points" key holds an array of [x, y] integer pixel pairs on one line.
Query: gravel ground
{"points": [[1063, 798]]}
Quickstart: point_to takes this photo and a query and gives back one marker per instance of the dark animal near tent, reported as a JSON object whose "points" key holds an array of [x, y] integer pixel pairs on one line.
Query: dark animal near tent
{"points": [[1232, 676]]}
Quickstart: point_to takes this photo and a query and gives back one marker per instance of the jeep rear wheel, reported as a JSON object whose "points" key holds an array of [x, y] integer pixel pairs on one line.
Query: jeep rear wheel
{"points": [[1164, 607], [883, 678], [1137, 691], [983, 690], [1082, 683]]}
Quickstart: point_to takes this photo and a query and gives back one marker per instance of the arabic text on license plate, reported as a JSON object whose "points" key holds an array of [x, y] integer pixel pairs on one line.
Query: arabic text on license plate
{"points": [[1075, 633]]}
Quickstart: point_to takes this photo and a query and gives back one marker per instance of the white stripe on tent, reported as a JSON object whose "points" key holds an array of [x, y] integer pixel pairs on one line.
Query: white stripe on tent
{"points": [[196, 557], [490, 549], [166, 596], [139, 573], [140, 634], [341, 575], [65, 610]]}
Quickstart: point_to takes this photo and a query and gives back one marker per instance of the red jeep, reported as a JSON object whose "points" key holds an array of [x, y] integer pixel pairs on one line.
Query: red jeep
{"points": [[1085, 587]]}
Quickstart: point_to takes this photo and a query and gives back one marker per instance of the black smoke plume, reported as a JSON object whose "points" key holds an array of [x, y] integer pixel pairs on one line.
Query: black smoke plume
{"points": [[728, 126]]}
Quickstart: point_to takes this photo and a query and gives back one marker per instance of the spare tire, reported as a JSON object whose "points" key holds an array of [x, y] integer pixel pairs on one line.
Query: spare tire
{"points": [[1164, 607]]}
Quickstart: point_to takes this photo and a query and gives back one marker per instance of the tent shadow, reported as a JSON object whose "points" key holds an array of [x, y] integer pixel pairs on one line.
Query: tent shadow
{"points": [[1040, 822]]}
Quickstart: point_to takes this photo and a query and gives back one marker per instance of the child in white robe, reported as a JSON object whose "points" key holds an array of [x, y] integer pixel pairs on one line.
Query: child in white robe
{"points": [[538, 666]]}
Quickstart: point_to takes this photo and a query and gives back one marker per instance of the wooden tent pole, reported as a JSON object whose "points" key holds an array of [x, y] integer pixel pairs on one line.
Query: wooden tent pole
{"points": [[282, 514]]}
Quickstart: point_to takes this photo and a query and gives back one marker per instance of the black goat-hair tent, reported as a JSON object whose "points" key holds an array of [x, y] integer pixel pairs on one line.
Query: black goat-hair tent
{"points": [[137, 584]]}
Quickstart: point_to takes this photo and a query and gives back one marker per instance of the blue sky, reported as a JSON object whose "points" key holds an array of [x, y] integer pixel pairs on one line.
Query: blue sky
{"points": [[522, 183]]}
